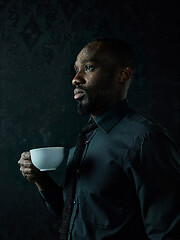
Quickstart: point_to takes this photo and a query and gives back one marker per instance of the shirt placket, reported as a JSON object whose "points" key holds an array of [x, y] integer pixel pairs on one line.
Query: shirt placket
{"points": [[75, 201]]}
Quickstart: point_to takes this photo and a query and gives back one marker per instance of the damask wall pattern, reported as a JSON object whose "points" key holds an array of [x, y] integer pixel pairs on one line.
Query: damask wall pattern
{"points": [[39, 41]]}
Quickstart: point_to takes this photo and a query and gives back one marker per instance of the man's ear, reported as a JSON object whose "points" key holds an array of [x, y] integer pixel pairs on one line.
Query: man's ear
{"points": [[123, 74]]}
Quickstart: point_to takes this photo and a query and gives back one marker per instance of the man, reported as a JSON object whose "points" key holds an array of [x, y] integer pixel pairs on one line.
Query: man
{"points": [[124, 183]]}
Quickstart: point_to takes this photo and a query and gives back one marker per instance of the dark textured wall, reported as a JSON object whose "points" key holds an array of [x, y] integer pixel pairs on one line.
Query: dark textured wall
{"points": [[39, 41]]}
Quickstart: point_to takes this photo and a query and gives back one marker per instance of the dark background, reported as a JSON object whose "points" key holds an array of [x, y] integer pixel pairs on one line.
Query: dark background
{"points": [[39, 41]]}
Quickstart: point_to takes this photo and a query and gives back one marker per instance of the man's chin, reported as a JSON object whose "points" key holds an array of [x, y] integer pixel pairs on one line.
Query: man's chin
{"points": [[84, 108]]}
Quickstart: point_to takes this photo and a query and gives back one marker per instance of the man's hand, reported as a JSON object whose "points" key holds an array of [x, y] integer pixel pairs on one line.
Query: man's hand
{"points": [[28, 170]]}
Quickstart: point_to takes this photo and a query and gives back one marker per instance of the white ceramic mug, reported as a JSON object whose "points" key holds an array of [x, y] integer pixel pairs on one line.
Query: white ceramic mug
{"points": [[48, 158]]}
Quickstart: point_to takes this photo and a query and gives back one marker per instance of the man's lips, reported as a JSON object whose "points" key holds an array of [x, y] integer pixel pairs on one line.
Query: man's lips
{"points": [[78, 93]]}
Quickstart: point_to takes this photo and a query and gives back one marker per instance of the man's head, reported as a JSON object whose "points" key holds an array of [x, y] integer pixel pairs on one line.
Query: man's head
{"points": [[104, 71]]}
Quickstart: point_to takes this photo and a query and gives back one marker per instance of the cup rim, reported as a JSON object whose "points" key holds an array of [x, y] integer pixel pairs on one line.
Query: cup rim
{"points": [[45, 148]]}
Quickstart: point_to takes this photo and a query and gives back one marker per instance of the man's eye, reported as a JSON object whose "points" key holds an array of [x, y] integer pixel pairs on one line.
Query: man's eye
{"points": [[89, 68]]}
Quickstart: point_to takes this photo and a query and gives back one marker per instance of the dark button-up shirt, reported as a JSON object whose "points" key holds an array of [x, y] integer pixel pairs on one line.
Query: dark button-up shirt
{"points": [[128, 182]]}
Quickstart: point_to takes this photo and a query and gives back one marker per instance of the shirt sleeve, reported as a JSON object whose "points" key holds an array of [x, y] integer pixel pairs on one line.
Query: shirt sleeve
{"points": [[155, 171], [53, 198], [53, 195]]}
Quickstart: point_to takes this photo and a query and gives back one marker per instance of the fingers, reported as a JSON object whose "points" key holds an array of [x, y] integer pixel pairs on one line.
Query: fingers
{"points": [[32, 177], [25, 163], [25, 159], [27, 169], [26, 155]]}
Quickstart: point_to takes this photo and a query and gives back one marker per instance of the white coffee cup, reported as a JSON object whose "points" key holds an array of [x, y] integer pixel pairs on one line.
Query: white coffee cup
{"points": [[48, 158]]}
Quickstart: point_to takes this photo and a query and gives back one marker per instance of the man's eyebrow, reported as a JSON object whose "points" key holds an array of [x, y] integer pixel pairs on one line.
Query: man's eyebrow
{"points": [[84, 62], [88, 60]]}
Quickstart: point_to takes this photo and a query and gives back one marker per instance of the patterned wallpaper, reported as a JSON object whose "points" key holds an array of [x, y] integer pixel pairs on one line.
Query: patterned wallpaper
{"points": [[39, 41]]}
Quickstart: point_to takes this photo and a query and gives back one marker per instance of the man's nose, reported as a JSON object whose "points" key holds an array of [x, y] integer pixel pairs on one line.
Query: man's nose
{"points": [[78, 79]]}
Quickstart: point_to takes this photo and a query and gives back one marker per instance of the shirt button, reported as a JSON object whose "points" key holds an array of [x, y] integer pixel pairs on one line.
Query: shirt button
{"points": [[74, 201], [77, 171]]}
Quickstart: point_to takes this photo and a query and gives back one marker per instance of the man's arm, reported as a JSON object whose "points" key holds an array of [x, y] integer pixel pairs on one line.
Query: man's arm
{"points": [[51, 193], [156, 174]]}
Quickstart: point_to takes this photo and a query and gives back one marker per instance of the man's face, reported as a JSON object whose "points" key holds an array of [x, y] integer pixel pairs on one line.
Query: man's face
{"points": [[94, 79]]}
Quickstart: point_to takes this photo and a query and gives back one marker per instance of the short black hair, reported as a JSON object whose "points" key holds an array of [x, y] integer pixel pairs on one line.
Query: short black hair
{"points": [[121, 50]]}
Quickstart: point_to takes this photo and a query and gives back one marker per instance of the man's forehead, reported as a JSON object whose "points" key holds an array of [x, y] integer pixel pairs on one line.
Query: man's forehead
{"points": [[90, 52]]}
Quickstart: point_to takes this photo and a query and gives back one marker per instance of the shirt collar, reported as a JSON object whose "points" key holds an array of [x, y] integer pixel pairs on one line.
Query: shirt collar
{"points": [[112, 116]]}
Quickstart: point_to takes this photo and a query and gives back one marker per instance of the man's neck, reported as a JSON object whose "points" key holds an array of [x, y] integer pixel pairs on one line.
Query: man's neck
{"points": [[105, 108]]}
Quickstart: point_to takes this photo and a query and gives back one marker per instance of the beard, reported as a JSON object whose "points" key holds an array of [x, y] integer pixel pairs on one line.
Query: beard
{"points": [[85, 107], [86, 104], [89, 102]]}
